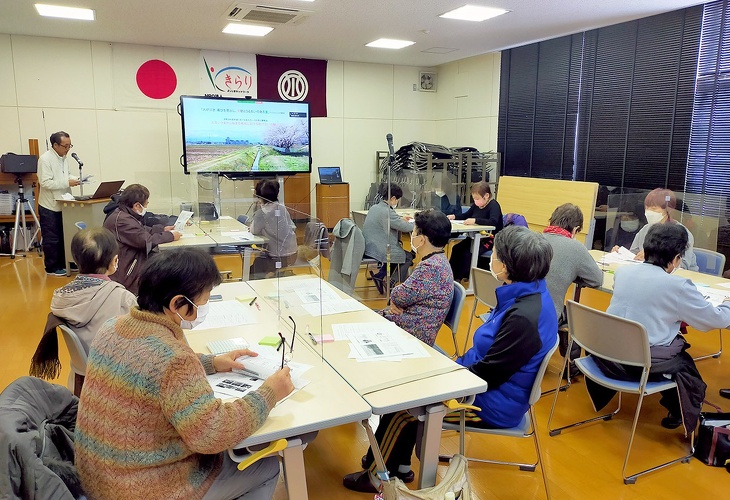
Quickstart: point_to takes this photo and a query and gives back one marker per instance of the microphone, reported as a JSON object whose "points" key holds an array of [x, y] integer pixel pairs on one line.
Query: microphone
{"points": [[78, 160], [389, 138]]}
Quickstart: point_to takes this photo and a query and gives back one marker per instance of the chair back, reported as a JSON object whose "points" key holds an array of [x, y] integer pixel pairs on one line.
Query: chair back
{"points": [[457, 304], [485, 286], [80, 225], [710, 262], [75, 349], [536, 393], [243, 219], [608, 336]]}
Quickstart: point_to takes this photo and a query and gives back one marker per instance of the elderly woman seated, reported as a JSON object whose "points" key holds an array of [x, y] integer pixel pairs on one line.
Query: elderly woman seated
{"points": [[419, 305], [507, 353], [648, 294]]}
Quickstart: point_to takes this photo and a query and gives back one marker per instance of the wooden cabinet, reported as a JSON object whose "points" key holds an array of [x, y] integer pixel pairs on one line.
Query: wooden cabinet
{"points": [[298, 196], [30, 184], [333, 203]]}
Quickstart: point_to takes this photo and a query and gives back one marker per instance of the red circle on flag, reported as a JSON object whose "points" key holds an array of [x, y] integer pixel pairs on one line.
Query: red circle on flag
{"points": [[156, 79]]}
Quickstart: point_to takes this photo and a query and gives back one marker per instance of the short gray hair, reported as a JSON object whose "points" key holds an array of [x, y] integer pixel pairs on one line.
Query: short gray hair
{"points": [[525, 253]]}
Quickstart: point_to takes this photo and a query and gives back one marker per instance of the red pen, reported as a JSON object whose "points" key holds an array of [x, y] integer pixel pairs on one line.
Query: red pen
{"points": [[258, 306]]}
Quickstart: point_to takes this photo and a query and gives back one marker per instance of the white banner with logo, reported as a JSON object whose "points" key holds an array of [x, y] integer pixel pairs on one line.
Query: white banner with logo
{"points": [[228, 74]]}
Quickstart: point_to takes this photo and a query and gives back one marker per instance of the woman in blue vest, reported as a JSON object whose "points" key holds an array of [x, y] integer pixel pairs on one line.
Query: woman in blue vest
{"points": [[507, 353]]}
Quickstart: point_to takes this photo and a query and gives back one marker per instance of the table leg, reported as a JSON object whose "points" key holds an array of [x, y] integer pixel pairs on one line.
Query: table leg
{"points": [[246, 263], [294, 475], [475, 248], [430, 442]]}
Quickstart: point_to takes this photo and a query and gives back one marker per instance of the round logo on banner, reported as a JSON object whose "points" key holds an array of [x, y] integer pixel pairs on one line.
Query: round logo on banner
{"points": [[293, 86]]}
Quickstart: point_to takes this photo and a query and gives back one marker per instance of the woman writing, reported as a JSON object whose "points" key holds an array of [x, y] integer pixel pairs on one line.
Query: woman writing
{"points": [[419, 305], [650, 295], [657, 205], [149, 425], [506, 353], [485, 211]]}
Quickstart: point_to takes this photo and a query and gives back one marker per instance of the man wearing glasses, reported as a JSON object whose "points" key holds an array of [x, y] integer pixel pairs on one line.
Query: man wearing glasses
{"points": [[55, 181]]}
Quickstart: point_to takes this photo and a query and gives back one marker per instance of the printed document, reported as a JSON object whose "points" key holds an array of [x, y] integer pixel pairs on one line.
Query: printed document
{"points": [[182, 219], [226, 313]]}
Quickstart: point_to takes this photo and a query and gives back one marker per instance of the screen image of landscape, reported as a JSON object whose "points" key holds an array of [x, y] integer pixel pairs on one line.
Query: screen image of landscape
{"points": [[245, 136]]}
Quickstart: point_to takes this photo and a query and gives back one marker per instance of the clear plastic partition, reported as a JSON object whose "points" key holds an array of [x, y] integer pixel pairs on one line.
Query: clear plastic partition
{"points": [[623, 215], [705, 216]]}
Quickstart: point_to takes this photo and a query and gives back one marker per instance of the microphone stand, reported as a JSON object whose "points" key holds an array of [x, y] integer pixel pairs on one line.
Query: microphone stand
{"points": [[389, 138], [81, 177]]}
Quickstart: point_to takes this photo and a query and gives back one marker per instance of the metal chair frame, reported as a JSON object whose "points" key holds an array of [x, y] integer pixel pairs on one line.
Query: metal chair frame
{"points": [[720, 260], [623, 341], [526, 429]]}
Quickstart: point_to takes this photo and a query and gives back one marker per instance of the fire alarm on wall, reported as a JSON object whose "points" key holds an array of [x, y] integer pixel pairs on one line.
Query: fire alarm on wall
{"points": [[427, 81]]}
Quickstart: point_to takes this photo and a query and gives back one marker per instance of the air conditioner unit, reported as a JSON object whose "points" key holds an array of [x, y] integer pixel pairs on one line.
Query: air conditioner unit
{"points": [[264, 14]]}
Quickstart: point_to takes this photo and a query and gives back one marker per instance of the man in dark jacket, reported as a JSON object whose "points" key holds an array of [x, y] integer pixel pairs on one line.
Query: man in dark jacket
{"points": [[136, 241]]}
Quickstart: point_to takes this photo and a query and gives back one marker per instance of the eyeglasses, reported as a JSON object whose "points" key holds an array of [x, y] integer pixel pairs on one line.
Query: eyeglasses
{"points": [[65, 147]]}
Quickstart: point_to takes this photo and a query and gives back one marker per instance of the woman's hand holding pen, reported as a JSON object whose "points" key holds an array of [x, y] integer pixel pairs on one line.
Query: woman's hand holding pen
{"points": [[227, 362], [280, 382]]}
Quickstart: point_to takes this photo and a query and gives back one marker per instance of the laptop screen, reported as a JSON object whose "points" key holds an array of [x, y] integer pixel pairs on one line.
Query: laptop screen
{"points": [[330, 175]]}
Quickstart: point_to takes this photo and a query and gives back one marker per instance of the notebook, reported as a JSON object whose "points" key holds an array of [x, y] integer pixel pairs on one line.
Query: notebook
{"points": [[105, 190], [330, 175]]}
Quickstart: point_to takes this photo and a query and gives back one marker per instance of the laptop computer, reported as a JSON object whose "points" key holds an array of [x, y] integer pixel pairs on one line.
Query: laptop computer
{"points": [[105, 190], [330, 175]]}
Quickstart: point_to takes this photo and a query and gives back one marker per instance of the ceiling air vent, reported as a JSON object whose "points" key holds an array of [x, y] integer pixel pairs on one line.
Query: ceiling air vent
{"points": [[264, 14]]}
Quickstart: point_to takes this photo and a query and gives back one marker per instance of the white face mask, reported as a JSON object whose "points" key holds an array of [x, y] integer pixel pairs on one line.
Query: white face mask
{"points": [[202, 313], [653, 217], [414, 247], [630, 226], [491, 268]]}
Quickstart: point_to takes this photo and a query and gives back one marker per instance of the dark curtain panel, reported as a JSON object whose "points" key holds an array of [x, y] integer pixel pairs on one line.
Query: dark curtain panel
{"points": [[612, 105]]}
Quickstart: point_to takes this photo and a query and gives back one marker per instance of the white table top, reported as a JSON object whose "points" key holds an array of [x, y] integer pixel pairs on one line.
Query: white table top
{"points": [[327, 401], [373, 377], [456, 227]]}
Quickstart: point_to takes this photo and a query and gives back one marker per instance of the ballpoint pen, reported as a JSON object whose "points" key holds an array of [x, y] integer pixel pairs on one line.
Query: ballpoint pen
{"points": [[253, 301], [283, 351], [314, 341]]}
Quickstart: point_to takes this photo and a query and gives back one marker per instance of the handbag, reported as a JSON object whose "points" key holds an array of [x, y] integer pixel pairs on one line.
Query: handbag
{"points": [[712, 445], [455, 480]]}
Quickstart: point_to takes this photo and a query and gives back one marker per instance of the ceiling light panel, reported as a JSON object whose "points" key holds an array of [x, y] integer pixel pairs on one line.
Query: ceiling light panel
{"points": [[247, 29], [389, 43], [64, 12], [474, 13]]}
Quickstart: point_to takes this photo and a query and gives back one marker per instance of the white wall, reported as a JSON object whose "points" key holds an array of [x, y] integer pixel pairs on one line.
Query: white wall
{"points": [[73, 85]]}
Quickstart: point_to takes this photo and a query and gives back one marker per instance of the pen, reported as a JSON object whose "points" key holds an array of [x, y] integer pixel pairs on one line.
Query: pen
{"points": [[283, 351], [291, 347], [258, 306], [253, 301], [314, 341]]}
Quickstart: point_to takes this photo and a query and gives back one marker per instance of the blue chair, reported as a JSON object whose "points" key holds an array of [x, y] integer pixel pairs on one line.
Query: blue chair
{"points": [[622, 341], [712, 263], [243, 219], [80, 225], [454, 314]]}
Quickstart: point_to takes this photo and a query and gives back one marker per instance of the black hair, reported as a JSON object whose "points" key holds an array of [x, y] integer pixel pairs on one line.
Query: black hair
{"points": [[395, 190], [181, 271], [134, 193], [567, 216], [664, 242], [57, 136], [525, 253], [267, 190], [93, 249], [435, 226]]}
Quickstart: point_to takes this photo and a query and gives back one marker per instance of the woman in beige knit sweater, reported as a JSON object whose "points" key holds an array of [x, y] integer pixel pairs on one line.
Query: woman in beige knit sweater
{"points": [[148, 423]]}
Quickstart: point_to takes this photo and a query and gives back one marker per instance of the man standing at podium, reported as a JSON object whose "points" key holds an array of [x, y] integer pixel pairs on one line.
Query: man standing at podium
{"points": [[55, 181]]}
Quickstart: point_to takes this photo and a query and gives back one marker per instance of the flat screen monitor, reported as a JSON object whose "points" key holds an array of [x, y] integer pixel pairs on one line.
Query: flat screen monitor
{"points": [[245, 137]]}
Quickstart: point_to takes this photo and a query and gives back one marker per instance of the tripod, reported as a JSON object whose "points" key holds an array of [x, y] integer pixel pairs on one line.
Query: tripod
{"points": [[20, 206]]}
